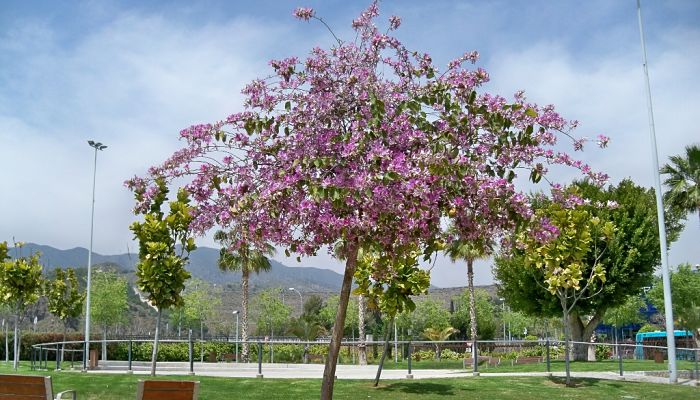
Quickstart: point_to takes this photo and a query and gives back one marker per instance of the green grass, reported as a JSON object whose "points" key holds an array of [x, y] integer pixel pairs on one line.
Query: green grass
{"points": [[111, 387], [556, 366]]}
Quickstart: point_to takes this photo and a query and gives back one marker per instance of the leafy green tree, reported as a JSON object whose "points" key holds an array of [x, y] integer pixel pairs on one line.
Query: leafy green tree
{"points": [[327, 314], [109, 294], [200, 302], [685, 291], [20, 285], [246, 259], [485, 313], [470, 251], [577, 249], [312, 306], [629, 312], [64, 297], [164, 246], [271, 314], [429, 313], [683, 181], [630, 259]]}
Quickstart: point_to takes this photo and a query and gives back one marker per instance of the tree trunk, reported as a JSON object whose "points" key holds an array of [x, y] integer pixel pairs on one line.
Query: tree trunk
{"points": [[154, 356], [337, 336], [63, 345], [566, 344], [361, 327], [472, 300], [244, 318], [387, 336], [582, 333], [15, 360], [104, 343]]}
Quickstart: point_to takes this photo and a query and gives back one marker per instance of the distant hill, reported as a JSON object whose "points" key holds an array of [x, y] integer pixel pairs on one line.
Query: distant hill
{"points": [[203, 265]]}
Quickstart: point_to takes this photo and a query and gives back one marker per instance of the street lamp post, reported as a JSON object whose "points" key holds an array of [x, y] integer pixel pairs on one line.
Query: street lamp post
{"points": [[96, 146], [665, 274], [235, 312], [301, 301]]}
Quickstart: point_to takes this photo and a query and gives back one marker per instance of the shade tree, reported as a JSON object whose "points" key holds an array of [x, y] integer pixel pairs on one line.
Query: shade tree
{"points": [[64, 298]]}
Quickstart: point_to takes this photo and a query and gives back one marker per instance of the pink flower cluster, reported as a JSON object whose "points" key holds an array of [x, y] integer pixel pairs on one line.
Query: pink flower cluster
{"points": [[365, 142]]}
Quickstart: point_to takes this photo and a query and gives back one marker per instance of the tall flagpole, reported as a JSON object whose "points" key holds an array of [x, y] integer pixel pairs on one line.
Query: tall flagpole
{"points": [[668, 304]]}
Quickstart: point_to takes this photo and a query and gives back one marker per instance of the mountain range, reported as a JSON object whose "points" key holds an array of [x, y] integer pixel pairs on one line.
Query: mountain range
{"points": [[203, 264]]}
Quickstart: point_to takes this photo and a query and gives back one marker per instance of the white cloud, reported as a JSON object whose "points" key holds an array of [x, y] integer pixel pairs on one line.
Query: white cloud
{"points": [[134, 81]]}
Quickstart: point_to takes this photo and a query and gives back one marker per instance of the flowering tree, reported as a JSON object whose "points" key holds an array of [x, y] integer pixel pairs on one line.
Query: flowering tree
{"points": [[365, 144]]}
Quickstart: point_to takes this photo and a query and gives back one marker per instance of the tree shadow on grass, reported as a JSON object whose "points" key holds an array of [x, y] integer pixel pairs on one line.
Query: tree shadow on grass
{"points": [[422, 388], [583, 382]]}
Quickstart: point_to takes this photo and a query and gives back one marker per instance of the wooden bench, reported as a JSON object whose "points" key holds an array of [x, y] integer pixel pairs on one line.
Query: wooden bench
{"points": [[167, 390], [489, 361], [527, 360], [25, 387]]}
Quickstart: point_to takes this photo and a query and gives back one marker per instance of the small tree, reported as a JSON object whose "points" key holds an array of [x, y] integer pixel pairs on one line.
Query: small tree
{"points": [[307, 328], [484, 312], [271, 314], [685, 288], [391, 280], [20, 285], [561, 251], [200, 302], [164, 244], [64, 298], [437, 336], [109, 294]]}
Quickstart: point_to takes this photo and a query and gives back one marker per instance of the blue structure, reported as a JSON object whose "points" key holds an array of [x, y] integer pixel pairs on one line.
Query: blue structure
{"points": [[658, 338]]}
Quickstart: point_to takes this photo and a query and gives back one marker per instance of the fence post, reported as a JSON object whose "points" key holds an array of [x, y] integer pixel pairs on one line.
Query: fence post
{"points": [[58, 358], [697, 353], [31, 358], [410, 374], [260, 351], [191, 352], [619, 359], [549, 364], [129, 369]]}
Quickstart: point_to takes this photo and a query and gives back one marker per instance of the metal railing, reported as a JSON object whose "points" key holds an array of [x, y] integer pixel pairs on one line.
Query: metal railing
{"points": [[494, 355]]}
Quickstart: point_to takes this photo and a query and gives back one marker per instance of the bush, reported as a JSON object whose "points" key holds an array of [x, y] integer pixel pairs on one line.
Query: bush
{"points": [[602, 352]]}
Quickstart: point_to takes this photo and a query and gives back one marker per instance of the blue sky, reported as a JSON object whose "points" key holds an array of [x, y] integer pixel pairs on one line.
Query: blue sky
{"points": [[133, 73]]}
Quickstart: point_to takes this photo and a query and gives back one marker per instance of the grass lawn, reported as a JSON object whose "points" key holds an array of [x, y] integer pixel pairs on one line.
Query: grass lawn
{"points": [[556, 366], [111, 387]]}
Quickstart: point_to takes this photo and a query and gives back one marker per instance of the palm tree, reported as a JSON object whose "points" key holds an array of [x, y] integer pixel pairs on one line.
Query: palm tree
{"points": [[246, 259], [683, 180], [470, 251], [437, 336], [308, 329]]}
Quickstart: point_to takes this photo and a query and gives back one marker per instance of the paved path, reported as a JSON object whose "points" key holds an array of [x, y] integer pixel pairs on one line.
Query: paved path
{"points": [[315, 371]]}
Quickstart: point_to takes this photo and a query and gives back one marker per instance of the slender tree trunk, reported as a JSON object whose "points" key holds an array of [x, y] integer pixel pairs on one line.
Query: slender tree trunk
{"points": [[362, 347], [337, 337], [63, 346], [387, 336], [244, 318], [7, 345], [154, 355], [104, 343], [472, 301], [15, 360], [566, 341]]}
